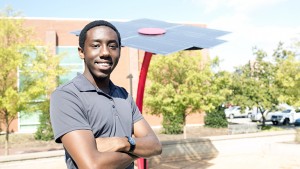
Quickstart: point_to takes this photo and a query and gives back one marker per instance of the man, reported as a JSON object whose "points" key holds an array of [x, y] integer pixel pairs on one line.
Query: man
{"points": [[93, 118]]}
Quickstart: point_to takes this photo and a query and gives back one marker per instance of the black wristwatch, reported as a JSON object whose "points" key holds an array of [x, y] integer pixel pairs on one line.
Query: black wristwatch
{"points": [[131, 141]]}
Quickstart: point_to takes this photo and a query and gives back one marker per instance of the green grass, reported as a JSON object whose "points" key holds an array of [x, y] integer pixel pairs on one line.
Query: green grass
{"points": [[17, 138], [271, 128], [23, 140]]}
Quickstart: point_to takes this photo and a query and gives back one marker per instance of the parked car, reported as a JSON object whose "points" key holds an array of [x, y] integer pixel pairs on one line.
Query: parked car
{"points": [[256, 115], [235, 111], [297, 122], [286, 117]]}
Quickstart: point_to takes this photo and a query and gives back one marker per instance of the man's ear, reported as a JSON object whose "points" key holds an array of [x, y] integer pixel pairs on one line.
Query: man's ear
{"points": [[80, 52]]}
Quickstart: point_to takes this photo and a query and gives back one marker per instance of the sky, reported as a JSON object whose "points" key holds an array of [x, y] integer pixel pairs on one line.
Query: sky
{"points": [[251, 23]]}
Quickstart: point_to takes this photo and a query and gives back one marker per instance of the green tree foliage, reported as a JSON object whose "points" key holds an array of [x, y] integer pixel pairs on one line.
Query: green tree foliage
{"points": [[28, 74], [255, 85], [288, 76], [181, 84], [267, 81], [44, 131], [216, 118]]}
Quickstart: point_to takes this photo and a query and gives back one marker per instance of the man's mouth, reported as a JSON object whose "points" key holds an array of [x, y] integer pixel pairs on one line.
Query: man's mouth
{"points": [[103, 65]]}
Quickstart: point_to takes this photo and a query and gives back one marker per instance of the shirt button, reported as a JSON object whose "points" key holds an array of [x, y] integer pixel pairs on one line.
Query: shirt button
{"points": [[113, 106]]}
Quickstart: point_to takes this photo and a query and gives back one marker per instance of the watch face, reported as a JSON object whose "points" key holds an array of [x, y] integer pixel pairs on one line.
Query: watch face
{"points": [[131, 140]]}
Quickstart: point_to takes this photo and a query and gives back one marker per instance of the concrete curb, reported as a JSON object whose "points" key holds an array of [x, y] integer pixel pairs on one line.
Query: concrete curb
{"points": [[251, 135], [32, 156]]}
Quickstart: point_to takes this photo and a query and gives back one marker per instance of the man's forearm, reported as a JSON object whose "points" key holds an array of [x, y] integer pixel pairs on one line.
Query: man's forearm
{"points": [[113, 160], [147, 146], [114, 149], [87, 156]]}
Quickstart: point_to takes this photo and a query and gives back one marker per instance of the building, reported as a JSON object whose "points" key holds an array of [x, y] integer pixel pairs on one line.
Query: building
{"points": [[56, 34]]}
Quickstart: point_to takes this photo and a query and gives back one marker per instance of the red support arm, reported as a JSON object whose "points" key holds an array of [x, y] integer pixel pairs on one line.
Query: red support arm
{"points": [[142, 163]]}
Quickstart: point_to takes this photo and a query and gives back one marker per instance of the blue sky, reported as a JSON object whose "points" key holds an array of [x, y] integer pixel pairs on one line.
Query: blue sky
{"points": [[261, 23]]}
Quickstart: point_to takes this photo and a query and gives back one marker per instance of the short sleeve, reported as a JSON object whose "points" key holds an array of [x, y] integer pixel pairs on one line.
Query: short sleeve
{"points": [[136, 114], [66, 113]]}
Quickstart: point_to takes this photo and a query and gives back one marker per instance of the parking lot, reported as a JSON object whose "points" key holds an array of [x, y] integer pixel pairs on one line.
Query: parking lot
{"points": [[248, 121]]}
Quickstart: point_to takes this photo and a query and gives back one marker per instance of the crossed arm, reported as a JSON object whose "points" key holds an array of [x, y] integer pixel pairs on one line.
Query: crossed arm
{"points": [[110, 152]]}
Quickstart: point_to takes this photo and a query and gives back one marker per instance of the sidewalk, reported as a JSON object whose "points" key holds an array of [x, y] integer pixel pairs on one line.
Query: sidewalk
{"points": [[270, 150], [262, 150]]}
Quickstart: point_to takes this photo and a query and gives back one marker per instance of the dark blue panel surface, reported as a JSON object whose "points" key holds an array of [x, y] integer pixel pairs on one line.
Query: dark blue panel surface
{"points": [[213, 33]]}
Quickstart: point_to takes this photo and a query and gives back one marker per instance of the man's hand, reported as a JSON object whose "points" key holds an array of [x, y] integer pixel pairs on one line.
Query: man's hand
{"points": [[112, 144]]}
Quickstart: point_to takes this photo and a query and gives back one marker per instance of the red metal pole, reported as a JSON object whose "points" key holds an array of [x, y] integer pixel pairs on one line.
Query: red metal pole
{"points": [[142, 163]]}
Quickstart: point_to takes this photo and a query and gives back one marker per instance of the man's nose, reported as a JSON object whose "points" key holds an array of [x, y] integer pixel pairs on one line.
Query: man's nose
{"points": [[104, 51]]}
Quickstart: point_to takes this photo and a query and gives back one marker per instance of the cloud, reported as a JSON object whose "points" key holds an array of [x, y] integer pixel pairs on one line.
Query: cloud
{"points": [[235, 5], [247, 31], [236, 17], [237, 50]]}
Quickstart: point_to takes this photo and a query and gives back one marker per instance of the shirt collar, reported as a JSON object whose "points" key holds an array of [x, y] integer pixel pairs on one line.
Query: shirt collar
{"points": [[84, 85]]}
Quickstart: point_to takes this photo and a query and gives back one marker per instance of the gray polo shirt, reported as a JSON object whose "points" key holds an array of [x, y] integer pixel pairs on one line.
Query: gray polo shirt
{"points": [[78, 105]]}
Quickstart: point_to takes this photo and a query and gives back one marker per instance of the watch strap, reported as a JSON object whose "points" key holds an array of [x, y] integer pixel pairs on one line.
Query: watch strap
{"points": [[131, 141]]}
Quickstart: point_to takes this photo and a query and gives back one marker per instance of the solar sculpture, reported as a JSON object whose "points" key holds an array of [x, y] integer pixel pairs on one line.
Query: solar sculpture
{"points": [[160, 37]]}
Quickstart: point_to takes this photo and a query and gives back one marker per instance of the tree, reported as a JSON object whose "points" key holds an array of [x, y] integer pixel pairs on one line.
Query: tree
{"points": [[28, 73], [255, 84], [288, 76], [181, 84]]}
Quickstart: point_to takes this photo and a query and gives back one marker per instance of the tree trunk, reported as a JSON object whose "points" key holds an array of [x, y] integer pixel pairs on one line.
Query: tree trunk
{"points": [[6, 134], [263, 117], [184, 127], [184, 132]]}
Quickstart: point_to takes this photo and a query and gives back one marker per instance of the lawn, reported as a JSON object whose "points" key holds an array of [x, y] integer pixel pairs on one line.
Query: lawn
{"points": [[25, 143]]}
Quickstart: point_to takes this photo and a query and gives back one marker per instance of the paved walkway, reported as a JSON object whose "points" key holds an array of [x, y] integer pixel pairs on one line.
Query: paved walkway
{"points": [[271, 152], [274, 150]]}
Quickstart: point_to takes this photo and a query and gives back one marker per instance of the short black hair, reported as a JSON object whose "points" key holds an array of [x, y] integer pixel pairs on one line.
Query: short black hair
{"points": [[93, 24]]}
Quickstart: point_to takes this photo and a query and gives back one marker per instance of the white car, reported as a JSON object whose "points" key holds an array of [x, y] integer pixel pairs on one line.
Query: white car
{"points": [[257, 116], [286, 117], [235, 111]]}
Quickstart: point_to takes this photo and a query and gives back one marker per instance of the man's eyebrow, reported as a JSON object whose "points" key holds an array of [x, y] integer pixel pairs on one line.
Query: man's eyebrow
{"points": [[114, 41], [109, 41]]}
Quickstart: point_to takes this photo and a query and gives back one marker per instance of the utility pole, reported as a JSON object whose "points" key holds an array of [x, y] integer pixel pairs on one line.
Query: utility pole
{"points": [[130, 81]]}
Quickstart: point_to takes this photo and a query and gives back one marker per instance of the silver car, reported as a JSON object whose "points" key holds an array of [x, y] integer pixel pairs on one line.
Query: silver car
{"points": [[235, 111]]}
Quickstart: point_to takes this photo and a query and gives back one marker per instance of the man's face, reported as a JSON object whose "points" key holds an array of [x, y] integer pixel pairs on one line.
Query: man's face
{"points": [[101, 52]]}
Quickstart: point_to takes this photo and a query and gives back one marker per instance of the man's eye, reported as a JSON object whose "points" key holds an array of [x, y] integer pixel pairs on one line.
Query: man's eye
{"points": [[95, 45], [113, 46]]}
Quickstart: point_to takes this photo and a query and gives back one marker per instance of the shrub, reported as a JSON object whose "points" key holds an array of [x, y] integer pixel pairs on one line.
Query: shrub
{"points": [[173, 123], [44, 131], [216, 119]]}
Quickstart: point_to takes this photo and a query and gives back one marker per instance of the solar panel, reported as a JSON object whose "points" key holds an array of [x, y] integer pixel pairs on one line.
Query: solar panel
{"points": [[155, 45], [176, 38], [213, 33]]}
